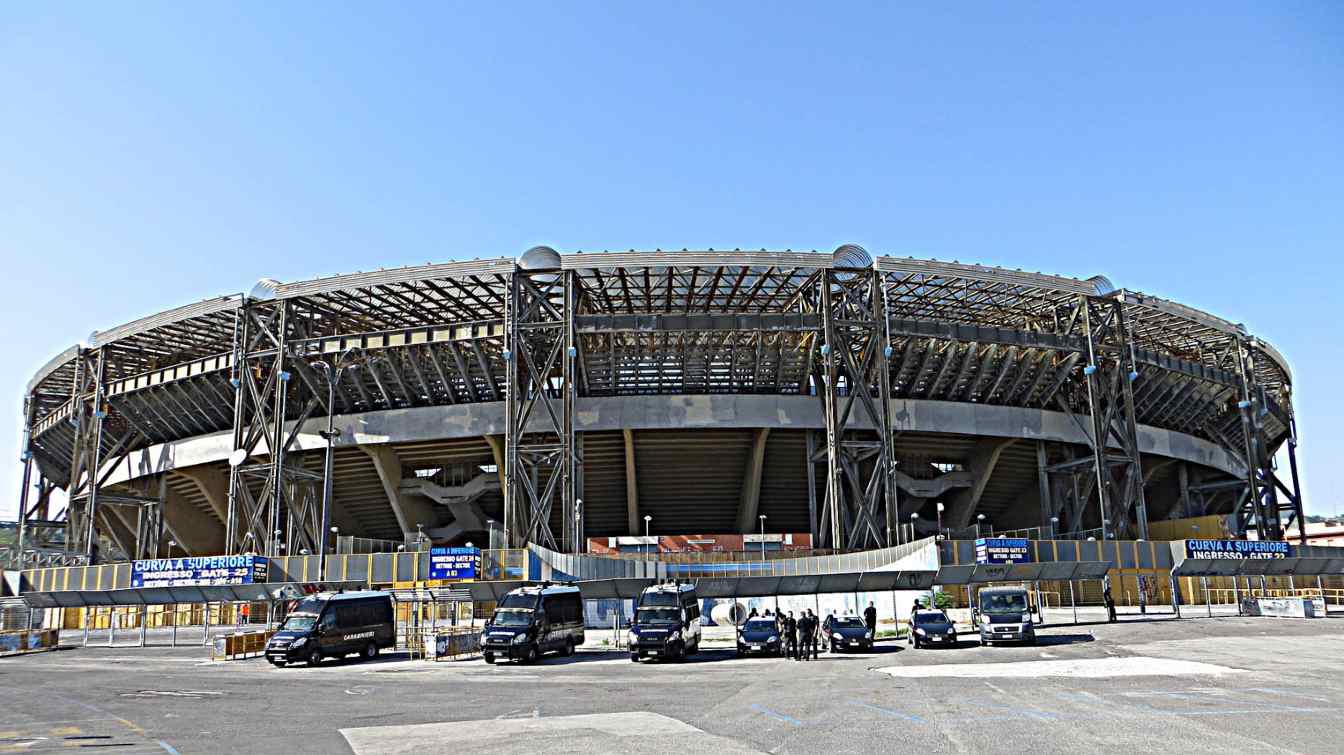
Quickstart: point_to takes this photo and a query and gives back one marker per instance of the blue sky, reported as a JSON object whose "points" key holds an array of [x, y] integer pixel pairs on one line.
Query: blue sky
{"points": [[153, 155]]}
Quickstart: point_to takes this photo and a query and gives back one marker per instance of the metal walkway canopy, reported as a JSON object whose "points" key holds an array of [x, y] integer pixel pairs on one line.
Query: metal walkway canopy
{"points": [[974, 574], [1292, 566], [737, 587], [159, 596]]}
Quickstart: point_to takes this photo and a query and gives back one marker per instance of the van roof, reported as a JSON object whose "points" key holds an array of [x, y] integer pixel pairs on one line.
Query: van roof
{"points": [[1006, 588], [544, 590], [664, 587], [352, 595]]}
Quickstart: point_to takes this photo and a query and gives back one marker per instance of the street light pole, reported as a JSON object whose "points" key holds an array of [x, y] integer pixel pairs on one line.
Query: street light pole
{"points": [[939, 507], [914, 517], [332, 373], [647, 519], [762, 518], [979, 520]]}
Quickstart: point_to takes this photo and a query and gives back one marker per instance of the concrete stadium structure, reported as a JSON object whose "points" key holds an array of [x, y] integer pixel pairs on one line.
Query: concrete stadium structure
{"points": [[551, 397]]}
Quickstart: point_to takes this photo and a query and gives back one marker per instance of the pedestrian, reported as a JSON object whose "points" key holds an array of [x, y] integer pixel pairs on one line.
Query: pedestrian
{"points": [[813, 630], [1107, 599], [1143, 594], [870, 618], [752, 615], [791, 636], [829, 626]]}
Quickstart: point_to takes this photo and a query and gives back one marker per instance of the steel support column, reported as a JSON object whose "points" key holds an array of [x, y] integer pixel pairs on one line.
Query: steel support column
{"points": [[266, 494], [861, 498], [1263, 504], [540, 452], [1106, 398]]}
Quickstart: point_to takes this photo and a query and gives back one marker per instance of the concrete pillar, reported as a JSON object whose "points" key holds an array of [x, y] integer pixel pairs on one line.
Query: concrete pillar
{"points": [[631, 484], [981, 463], [195, 531], [409, 509], [750, 502]]}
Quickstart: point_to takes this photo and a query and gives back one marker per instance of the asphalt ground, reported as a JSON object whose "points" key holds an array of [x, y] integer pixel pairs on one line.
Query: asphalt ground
{"points": [[1145, 684]]}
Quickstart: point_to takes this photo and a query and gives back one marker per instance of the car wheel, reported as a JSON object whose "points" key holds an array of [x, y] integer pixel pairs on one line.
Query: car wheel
{"points": [[370, 651], [569, 648], [314, 657], [489, 657], [532, 654], [634, 657]]}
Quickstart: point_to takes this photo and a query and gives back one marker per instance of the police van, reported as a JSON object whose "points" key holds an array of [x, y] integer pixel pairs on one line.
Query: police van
{"points": [[334, 625], [666, 622], [532, 621]]}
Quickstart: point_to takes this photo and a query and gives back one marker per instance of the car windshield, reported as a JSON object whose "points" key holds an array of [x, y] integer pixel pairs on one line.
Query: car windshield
{"points": [[1013, 602], [847, 621], [299, 622], [759, 625], [661, 599], [658, 616], [518, 600], [513, 617], [937, 617]]}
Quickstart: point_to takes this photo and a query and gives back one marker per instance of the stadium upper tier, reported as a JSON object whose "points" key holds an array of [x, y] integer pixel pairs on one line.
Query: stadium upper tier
{"points": [[704, 326]]}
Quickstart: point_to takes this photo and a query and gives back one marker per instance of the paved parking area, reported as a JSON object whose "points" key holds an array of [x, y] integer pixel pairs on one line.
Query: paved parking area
{"points": [[1194, 685]]}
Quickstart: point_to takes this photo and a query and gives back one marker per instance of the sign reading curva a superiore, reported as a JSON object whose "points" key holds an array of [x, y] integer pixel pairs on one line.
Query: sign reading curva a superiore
{"points": [[199, 571], [1241, 549]]}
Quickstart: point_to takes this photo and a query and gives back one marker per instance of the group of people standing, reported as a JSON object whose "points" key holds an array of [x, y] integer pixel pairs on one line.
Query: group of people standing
{"points": [[800, 637]]}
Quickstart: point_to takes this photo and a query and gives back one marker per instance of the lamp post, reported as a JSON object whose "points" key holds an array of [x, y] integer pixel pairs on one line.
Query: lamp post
{"points": [[332, 374], [335, 543], [171, 544], [1054, 528], [419, 536], [939, 507], [914, 517], [275, 541], [762, 518], [979, 520], [647, 519]]}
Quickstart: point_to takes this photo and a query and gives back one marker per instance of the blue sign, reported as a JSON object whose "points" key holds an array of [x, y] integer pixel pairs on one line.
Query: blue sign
{"points": [[199, 571], [454, 563], [1238, 549], [1002, 550]]}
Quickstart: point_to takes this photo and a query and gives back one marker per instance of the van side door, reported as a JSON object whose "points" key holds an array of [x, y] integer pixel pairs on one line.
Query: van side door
{"points": [[328, 634]]}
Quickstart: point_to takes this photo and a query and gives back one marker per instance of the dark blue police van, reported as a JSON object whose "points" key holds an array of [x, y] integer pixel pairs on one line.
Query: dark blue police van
{"points": [[532, 621], [334, 625]]}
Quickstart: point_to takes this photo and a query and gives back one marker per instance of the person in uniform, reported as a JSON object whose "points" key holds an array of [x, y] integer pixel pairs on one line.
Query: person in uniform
{"points": [[791, 636], [870, 618]]}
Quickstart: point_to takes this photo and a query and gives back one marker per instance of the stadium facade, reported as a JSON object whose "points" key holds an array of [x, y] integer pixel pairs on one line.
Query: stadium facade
{"points": [[555, 398]]}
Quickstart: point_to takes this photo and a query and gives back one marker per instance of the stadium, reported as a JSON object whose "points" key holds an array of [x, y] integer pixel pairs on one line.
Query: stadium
{"points": [[836, 399]]}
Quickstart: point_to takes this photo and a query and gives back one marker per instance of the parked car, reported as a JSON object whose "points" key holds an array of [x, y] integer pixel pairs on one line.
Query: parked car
{"points": [[846, 633], [931, 628], [759, 635]]}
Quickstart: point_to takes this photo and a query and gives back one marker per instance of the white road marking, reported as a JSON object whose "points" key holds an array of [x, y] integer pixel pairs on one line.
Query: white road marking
{"points": [[635, 731], [1083, 668]]}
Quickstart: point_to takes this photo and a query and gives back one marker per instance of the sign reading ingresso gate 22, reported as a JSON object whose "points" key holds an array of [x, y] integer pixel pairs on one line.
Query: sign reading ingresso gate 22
{"points": [[199, 571], [454, 563], [1242, 549]]}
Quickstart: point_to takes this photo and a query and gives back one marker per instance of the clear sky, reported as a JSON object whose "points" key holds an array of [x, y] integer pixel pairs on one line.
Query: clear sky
{"points": [[153, 155]]}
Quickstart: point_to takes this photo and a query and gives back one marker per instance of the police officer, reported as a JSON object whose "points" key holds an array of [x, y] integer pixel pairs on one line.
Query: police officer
{"points": [[791, 636], [813, 631], [870, 618], [1107, 599]]}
